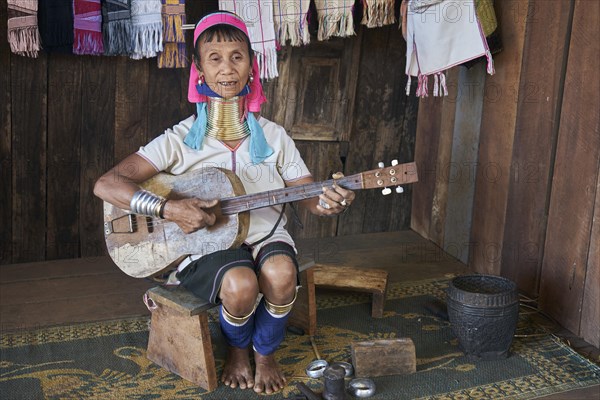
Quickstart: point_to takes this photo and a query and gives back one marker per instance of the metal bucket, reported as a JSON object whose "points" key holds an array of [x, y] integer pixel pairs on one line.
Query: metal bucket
{"points": [[483, 311]]}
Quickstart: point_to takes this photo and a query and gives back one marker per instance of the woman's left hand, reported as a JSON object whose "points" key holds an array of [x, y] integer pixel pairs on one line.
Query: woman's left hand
{"points": [[334, 200]]}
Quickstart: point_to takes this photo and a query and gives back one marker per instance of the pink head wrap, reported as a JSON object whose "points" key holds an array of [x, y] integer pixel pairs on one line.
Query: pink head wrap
{"points": [[256, 96]]}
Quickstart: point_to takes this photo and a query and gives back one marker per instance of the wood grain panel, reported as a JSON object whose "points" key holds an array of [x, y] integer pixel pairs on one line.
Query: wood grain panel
{"points": [[97, 146], [29, 130], [164, 95], [440, 191], [496, 140], [64, 132], [383, 129], [461, 171], [131, 106], [575, 176], [590, 321], [542, 80], [6, 193], [429, 121]]}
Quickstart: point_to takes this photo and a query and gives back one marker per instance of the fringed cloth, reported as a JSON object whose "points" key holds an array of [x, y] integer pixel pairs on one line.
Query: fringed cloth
{"points": [[55, 21], [378, 13], [23, 32], [258, 16], [335, 18], [174, 54], [146, 29], [441, 36], [291, 21], [116, 27], [87, 22]]}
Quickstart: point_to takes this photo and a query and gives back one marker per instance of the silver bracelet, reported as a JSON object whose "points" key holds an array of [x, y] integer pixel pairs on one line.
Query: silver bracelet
{"points": [[147, 203], [315, 369], [361, 387]]}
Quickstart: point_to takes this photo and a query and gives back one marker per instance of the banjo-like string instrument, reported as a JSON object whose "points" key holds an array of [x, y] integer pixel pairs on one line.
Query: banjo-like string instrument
{"points": [[143, 246]]}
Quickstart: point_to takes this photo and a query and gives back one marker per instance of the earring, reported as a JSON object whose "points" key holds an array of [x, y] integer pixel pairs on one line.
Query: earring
{"points": [[251, 78], [201, 80]]}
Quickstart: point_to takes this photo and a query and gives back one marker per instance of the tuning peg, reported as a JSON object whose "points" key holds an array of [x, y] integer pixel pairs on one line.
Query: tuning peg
{"points": [[399, 189], [386, 191], [394, 163], [380, 164]]}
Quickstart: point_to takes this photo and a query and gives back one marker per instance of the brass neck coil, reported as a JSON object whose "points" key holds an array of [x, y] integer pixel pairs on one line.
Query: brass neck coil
{"points": [[225, 119]]}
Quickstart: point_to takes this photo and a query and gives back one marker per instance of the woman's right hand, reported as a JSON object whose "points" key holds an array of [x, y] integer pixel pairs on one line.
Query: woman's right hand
{"points": [[191, 214]]}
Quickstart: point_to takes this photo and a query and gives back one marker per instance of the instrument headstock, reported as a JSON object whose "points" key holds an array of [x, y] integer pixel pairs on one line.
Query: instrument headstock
{"points": [[394, 175]]}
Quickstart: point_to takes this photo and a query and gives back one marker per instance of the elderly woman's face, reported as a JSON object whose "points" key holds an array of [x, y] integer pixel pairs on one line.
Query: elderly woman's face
{"points": [[225, 66]]}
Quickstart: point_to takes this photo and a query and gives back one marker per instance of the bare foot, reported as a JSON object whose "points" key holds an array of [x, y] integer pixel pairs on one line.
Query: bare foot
{"points": [[269, 378], [237, 371]]}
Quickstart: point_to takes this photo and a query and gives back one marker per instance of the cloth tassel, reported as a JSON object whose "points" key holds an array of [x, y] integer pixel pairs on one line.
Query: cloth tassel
{"points": [[443, 87], [335, 18], [173, 56], [296, 33], [267, 64], [378, 13], [408, 82], [331, 25], [88, 43], [436, 85], [117, 37], [25, 41], [146, 40], [290, 19], [490, 63], [172, 31], [422, 88]]}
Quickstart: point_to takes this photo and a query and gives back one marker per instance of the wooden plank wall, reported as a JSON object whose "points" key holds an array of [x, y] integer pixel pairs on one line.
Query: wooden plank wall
{"points": [[67, 119], [536, 188]]}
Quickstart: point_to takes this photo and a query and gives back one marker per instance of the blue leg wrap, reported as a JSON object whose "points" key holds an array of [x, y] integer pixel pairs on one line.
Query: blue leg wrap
{"points": [[237, 335], [269, 331]]}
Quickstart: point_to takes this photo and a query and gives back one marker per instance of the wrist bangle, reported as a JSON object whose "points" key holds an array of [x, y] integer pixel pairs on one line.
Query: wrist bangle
{"points": [[147, 203]]}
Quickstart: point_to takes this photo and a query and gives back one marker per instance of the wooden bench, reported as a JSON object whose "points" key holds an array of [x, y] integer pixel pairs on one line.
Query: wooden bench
{"points": [[180, 338], [369, 280]]}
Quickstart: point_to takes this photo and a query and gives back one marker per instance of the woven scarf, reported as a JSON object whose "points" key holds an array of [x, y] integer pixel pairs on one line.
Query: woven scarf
{"points": [[23, 33], [439, 37], [116, 27], [335, 18], [291, 21], [146, 28], [55, 21], [258, 16], [378, 13], [87, 17], [174, 53]]}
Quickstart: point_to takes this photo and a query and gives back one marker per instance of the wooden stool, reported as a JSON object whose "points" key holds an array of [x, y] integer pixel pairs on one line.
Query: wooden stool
{"points": [[351, 278], [180, 338]]}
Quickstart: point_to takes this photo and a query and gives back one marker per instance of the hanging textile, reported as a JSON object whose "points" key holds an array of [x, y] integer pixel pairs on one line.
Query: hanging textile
{"points": [[291, 21], [116, 27], [335, 18], [378, 13], [87, 23], [23, 33], [258, 16], [55, 21], [489, 25], [146, 29], [440, 36], [174, 50]]}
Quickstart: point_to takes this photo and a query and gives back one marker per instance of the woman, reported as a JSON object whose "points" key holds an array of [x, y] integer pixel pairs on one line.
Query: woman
{"points": [[226, 133]]}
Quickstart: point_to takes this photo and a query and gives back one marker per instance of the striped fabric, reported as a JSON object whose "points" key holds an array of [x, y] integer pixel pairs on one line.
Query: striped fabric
{"points": [[258, 16], [146, 28], [23, 32], [335, 18], [87, 27], [291, 23], [174, 54]]}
